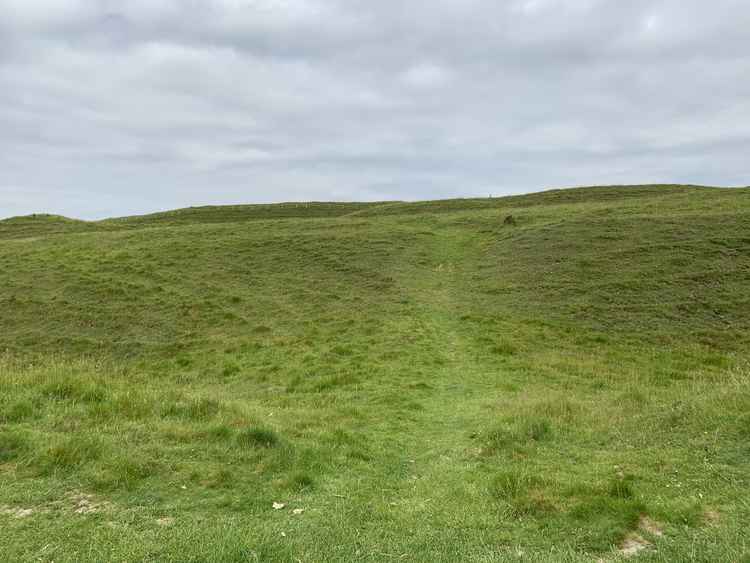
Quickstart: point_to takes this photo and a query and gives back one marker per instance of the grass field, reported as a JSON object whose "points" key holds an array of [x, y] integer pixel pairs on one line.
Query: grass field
{"points": [[411, 381]]}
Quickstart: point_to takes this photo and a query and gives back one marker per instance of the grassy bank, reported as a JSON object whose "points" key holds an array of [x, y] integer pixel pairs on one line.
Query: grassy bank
{"points": [[411, 381]]}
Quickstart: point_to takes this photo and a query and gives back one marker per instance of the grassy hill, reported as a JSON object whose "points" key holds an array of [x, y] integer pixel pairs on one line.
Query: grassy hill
{"points": [[412, 381]]}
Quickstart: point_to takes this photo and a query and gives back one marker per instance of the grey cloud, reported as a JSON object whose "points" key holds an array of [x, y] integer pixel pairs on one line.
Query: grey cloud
{"points": [[109, 108]]}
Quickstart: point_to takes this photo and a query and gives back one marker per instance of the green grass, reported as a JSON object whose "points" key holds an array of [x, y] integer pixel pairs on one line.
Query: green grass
{"points": [[412, 381]]}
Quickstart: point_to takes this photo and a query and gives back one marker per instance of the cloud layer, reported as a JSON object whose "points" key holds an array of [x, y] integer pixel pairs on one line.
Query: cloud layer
{"points": [[110, 108]]}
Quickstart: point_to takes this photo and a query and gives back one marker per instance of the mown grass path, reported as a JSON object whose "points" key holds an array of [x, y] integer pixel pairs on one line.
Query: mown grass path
{"points": [[442, 484]]}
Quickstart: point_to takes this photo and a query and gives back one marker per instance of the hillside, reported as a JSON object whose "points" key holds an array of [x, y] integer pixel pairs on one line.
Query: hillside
{"points": [[425, 381], [40, 224]]}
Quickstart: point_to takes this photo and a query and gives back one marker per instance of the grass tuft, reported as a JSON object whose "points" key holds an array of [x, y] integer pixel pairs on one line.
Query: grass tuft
{"points": [[522, 493], [70, 453], [523, 431], [74, 390], [18, 411], [12, 445], [126, 472], [258, 437], [621, 489], [300, 482], [193, 409], [504, 349]]}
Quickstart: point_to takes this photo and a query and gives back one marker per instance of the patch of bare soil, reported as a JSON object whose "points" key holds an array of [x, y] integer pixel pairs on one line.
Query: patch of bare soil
{"points": [[711, 517], [165, 522], [86, 504], [633, 545], [16, 512], [650, 526], [79, 503]]}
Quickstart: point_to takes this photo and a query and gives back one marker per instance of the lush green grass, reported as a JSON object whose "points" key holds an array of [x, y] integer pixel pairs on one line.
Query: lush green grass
{"points": [[412, 381]]}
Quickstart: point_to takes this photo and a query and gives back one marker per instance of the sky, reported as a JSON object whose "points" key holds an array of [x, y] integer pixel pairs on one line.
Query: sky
{"points": [[111, 108]]}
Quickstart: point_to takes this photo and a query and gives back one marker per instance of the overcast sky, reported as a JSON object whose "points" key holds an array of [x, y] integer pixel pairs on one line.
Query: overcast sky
{"points": [[117, 107]]}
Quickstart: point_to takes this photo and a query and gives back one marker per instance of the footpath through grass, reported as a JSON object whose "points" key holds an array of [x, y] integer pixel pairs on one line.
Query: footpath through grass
{"points": [[407, 382]]}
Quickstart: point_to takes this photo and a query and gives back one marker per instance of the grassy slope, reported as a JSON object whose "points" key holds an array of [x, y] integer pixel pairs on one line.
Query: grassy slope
{"points": [[425, 381]]}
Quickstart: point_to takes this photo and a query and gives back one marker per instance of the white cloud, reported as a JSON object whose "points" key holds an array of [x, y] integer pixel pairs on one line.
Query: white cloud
{"points": [[426, 75]]}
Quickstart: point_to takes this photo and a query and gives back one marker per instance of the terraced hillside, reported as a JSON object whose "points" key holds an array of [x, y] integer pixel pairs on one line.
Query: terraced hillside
{"points": [[389, 381]]}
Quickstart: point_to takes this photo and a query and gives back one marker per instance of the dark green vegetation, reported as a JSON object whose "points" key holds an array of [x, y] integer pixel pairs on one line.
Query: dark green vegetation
{"points": [[425, 381]]}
